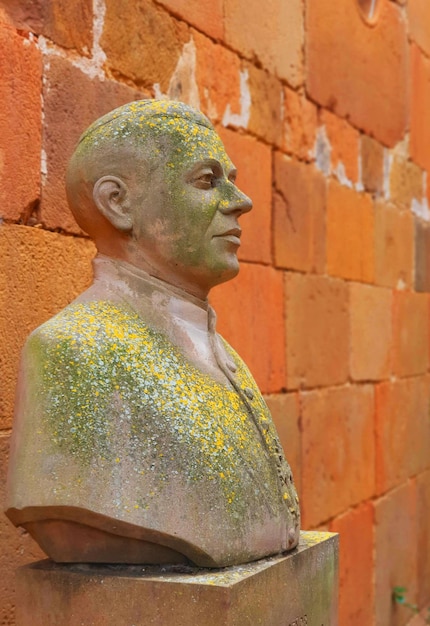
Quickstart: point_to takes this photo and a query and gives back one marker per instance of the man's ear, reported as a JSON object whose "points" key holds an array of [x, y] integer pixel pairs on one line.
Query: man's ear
{"points": [[112, 198]]}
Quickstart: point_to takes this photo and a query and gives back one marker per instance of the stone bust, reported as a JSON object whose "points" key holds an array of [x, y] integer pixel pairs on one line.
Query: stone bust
{"points": [[140, 436]]}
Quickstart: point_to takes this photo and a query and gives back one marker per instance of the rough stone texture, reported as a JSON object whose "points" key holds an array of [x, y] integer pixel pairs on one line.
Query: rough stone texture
{"points": [[410, 333], [371, 332], [68, 24], [133, 30], [275, 591], [406, 182], [402, 431], [337, 472], [395, 553], [71, 102], [350, 232], [274, 36], [360, 87], [20, 124], [420, 102], [372, 164], [419, 19], [344, 142], [257, 296], [299, 216], [18, 547], [254, 162], [206, 15], [40, 272], [394, 246], [266, 98], [285, 412], [356, 535], [422, 256], [423, 506], [300, 124], [317, 325]]}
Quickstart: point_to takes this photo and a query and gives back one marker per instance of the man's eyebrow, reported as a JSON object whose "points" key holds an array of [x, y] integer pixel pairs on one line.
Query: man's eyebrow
{"points": [[212, 163]]}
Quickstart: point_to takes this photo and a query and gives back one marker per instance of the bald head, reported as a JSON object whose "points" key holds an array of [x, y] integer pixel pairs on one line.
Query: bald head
{"points": [[129, 143]]}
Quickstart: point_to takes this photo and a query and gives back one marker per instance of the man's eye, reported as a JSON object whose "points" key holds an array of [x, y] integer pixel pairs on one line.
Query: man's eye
{"points": [[205, 181]]}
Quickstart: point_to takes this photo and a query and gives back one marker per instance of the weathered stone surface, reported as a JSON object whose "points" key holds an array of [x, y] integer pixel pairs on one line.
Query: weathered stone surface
{"points": [[419, 20], [206, 15], [266, 105], [300, 124], [344, 143], [422, 256], [410, 333], [372, 164], [420, 102], [296, 589], [357, 86], [394, 246]]}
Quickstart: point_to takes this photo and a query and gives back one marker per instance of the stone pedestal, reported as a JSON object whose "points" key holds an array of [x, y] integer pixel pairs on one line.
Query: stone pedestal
{"points": [[293, 590]]}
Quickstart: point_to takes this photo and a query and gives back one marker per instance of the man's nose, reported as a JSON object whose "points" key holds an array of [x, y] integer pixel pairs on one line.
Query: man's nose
{"points": [[239, 203]]}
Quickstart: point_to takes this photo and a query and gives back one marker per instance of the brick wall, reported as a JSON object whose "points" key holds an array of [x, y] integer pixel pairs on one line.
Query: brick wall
{"points": [[325, 107]]}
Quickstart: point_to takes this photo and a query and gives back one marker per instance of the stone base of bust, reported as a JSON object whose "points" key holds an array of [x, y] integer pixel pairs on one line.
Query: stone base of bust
{"points": [[292, 590]]}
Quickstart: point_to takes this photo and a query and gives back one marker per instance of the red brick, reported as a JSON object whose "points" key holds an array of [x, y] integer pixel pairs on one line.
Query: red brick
{"points": [[411, 333], [132, 36], [350, 234], [356, 596], [420, 105], [423, 508], [71, 102], [205, 15], [69, 24], [17, 548], [254, 162], [218, 77], [20, 124], [266, 108], [372, 164], [285, 412], [317, 331], [394, 246], [371, 332], [360, 87], [251, 317], [299, 215], [344, 141], [402, 431], [338, 455], [274, 36], [40, 272], [395, 553], [418, 20], [300, 125]]}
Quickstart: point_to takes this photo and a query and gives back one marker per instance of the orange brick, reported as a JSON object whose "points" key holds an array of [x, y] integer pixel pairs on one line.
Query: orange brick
{"points": [[402, 431], [423, 508], [350, 234], [420, 104], [372, 164], [254, 162], [274, 36], [300, 124], [356, 597], [71, 102], [17, 547], [419, 19], [299, 215], [344, 141], [266, 108], [285, 412], [406, 182], [40, 272], [395, 553], [218, 77], [205, 15], [338, 455], [411, 333], [317, 331], [250, 310], [357, 86], [371, 332], [20, 124], [69, 24], [394, 246], [132, 37]]}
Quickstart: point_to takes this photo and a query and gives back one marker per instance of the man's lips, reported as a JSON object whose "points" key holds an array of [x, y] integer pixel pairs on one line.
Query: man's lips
{"points": [[232, 235]]}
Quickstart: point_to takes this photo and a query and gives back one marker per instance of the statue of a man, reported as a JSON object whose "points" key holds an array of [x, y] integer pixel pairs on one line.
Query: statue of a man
{"points": [[140, 435]]}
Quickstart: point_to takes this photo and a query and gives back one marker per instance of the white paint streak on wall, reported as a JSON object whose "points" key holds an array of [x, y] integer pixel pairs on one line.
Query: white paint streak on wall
{"points": [[183, 84], [388, 159], [420, 208], [322, 151], [240, 120]]}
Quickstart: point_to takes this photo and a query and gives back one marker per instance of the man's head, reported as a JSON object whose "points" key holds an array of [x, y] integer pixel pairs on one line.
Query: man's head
{"points": [[152, 184]]}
